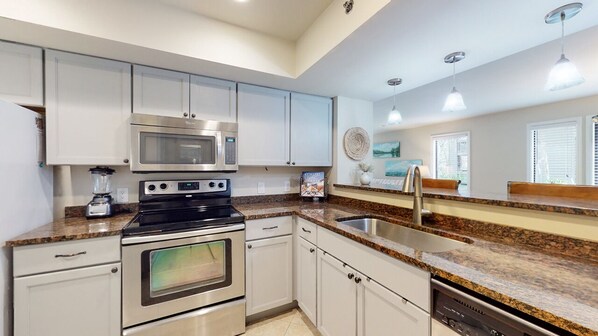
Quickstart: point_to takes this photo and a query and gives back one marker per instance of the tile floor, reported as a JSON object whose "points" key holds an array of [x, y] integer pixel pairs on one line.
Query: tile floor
{"points": [[291, 323]]}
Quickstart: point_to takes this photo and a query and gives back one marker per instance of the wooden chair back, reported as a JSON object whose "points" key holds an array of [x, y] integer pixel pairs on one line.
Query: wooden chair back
{"points": [[440, 183], [554, 190]]}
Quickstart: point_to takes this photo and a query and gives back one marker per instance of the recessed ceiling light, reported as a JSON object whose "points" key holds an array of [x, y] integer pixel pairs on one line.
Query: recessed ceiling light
{"points": [[241, 0]]}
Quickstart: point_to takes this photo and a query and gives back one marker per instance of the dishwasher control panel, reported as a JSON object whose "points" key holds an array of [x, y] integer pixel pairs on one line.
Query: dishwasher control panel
{"points": [[459, 313]]}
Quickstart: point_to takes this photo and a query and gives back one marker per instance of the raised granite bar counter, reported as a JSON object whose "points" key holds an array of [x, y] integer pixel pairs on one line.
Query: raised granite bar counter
{"points": [[72, 229], [573, 206], [555, 288]]}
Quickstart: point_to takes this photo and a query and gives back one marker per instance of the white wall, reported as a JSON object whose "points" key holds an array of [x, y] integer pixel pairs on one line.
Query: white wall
{"points": [[27, 199], [498, 142], [349, 113], [72, 184]]}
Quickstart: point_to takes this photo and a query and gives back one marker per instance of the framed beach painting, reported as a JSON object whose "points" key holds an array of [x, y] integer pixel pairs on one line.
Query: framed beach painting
{"points": [[387, 150], [398, 168]]}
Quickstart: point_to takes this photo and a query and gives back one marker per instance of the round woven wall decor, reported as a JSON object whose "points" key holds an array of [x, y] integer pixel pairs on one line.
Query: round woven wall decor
{"points": [[357, 143]]}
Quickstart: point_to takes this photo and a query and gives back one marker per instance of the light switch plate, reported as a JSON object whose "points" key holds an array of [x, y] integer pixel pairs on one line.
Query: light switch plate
{"points": [[287, 185], [122, 195], [261, 188]]}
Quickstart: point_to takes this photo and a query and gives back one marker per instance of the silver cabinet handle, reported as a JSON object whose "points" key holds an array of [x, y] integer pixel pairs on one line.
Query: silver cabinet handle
{"points": [[126, 160], [69, 255], [312, 250], [114, 269], [270, 228], [305, 230], [357, 280], [193, 115], [185, 114], [249, 246], [350, 276]]}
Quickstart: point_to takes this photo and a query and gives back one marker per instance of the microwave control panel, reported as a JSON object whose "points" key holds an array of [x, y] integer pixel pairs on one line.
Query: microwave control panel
{"points": [[230, 150], [184, 187]]}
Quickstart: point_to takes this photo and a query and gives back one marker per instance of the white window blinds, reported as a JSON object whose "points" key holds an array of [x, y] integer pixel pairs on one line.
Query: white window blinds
{"points": [[554, 152], [451, 157], [595, 150]]}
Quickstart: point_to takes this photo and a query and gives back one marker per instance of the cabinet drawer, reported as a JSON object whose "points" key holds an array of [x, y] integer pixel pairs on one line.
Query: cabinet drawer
{"points": [[268, 227], [307, 230], [40, 258]]}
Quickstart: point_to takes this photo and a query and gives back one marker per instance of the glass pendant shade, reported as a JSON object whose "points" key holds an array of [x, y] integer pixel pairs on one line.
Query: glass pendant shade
{"points": [[394, 117], [454, 102], [563, 74]]}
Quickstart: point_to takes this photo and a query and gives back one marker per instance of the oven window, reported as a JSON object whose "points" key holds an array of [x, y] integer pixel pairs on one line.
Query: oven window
{"points": [[163, 148], [175, 272]]}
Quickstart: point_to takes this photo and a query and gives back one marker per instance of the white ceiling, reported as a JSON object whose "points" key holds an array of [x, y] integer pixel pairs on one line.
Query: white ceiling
{"points": [[287, 19], [509, 47]]}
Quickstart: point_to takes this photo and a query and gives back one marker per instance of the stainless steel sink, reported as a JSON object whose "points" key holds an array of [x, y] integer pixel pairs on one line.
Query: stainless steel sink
{"points": [[415, 239]]}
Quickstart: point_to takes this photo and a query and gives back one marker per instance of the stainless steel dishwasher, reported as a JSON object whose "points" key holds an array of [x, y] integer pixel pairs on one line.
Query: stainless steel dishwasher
{"points": [[455, 312]]}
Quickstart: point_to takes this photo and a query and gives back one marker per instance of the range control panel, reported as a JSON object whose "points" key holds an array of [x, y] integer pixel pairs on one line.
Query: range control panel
{"points": [[184, 187]]}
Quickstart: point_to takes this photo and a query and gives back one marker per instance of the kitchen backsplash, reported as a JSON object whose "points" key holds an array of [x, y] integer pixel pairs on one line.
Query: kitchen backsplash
{"points": [[72, 184]]}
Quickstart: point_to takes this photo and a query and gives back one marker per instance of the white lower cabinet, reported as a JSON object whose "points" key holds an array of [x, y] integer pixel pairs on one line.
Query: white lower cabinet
{"points": [[269, 273], [382, 312], [350, 303], [305, 283], [81, 301], [337, 297]]}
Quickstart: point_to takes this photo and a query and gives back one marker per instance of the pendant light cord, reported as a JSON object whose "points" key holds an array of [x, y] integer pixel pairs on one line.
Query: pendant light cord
{"points": [[394, 96], [454, 72], [562, 33]]}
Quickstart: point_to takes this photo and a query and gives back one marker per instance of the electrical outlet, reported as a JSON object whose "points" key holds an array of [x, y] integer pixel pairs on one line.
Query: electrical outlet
{"points": [[261, 188], [287, 185], [122, 195]]}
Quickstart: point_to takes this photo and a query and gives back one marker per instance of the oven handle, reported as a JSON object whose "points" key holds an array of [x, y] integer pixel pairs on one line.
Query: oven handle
{"points": [[179, 235]]}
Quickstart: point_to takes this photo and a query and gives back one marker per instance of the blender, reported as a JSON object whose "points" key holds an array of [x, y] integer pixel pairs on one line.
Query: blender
{"points": [[101, 204]]}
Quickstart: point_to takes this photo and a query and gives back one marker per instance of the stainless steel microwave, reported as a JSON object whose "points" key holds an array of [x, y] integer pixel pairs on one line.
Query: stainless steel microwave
{"points": [[167, 144]]}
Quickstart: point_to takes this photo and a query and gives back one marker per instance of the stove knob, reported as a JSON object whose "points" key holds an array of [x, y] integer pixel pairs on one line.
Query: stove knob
{"points": [[151, 187], [220, 185], [212, 184], [163, 186]]}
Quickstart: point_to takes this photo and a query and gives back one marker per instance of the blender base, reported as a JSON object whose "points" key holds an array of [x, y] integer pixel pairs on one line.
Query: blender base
{"points": [[99, 206]]}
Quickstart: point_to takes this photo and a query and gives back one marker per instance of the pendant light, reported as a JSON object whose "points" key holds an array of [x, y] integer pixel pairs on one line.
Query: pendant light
{"points": [[563, 74], [454, 100], [394, 116]]}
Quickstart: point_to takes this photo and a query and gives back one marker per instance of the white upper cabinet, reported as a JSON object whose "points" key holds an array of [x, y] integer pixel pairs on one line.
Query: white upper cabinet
{"points": [[88, 105], [278, 128], [213, 99], [21, 79], [160, 92], [264, 121], [311, 130]]}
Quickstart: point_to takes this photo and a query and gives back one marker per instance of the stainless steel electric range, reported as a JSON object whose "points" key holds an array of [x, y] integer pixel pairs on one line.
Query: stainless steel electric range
{"points": [[183, 261]]}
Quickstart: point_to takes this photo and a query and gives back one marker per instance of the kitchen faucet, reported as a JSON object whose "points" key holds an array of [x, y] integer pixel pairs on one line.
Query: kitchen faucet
{"points": [[413, 183]]}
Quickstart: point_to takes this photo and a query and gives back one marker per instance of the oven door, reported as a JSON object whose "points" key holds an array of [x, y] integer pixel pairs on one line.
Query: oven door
{"points": [[167, 274], [156, 148]]}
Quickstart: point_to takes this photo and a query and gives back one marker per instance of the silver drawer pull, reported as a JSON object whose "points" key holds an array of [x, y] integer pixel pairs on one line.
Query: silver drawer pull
{"points": [[69, 255], [305, 230], [270, 228]]}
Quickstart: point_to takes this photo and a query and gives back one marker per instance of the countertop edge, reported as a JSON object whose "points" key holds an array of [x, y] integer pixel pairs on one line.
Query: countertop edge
{"points": [[527, 205]]}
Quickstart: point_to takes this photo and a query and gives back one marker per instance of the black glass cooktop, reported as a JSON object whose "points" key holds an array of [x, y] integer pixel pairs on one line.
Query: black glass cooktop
{"points": [[158, 221]]}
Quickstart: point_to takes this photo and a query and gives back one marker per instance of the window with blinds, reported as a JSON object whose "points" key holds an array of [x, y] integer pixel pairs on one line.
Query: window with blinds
{"points": [[451, 157], [554, 152], [594, 120]]}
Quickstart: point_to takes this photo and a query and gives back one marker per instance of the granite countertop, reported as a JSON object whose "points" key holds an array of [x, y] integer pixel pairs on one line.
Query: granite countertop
{"points": [[560, 290], [72, 229], [573, 206]]}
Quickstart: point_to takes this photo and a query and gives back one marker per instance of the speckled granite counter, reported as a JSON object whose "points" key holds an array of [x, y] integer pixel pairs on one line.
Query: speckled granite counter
{"points": [[565, 205], [557, 289], [72, 229]]}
